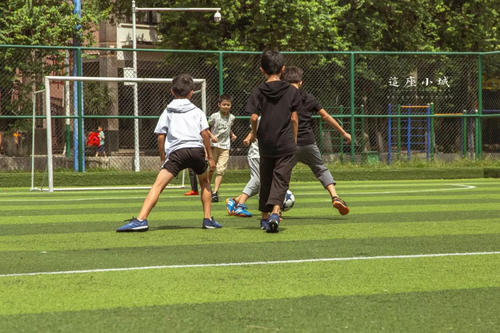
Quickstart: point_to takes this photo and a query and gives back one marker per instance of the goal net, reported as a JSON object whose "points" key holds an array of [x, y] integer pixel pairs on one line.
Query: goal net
{"points": [[126, 109]]}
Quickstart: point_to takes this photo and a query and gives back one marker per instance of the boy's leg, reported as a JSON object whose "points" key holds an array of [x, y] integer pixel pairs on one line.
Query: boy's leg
{"points": [[220, 168], [280, 181], [193, 180], [215, 157], [238, 206], [162, 180], [253, 185], [140, 223], [206, 195], [266, 179], [311, 156]]}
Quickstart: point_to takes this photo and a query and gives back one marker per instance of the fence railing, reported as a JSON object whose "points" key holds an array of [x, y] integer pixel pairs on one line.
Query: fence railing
{"points": [[396, 105]]}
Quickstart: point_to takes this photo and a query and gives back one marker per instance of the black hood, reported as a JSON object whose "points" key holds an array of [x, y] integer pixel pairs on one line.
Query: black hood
{"points": [[274, 89]]}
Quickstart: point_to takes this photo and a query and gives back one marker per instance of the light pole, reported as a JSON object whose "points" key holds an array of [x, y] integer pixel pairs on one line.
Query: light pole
{"points": [[217, 18]]}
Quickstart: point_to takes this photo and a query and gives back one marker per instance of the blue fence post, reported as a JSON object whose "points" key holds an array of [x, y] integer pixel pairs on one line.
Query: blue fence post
{"points": [[389, 134]]}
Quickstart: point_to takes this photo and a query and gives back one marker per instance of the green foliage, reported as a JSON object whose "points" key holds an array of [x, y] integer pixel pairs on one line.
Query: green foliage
{"points": [[399, 25], [49, 22], [97, 99], [255, 25]]}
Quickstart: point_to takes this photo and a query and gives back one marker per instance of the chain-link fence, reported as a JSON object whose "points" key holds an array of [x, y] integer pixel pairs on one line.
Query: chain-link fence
{"points": [[395, 105]]}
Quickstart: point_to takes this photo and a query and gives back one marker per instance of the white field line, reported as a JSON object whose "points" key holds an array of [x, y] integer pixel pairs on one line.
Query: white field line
{"points": [[252, 263], [455, 187]]}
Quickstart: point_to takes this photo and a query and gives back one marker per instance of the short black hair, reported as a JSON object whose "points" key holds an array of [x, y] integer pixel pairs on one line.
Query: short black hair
{"points": [[182, 85], [292, 74], [272, 61], [225, 97]]}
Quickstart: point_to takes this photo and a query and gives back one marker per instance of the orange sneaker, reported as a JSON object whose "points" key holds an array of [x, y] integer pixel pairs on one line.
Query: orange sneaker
{"points": [[191, 192], [340, 205]]}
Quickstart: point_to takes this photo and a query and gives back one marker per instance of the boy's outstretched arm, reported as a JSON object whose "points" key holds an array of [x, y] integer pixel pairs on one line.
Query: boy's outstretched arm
{"points": [[333, 123], [205, 134], [161, 146], [254, 118], [294, 119]]}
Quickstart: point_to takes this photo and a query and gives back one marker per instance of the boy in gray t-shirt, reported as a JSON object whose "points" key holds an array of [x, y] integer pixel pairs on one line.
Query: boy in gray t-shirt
{"points": [[220, 126]]}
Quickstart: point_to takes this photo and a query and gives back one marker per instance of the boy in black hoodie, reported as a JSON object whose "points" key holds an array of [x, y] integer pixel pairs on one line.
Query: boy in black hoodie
{"points": [[276, 102]]}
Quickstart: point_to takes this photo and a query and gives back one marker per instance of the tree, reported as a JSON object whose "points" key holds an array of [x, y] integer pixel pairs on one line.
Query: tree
{"points": [[38, 22], [255, 25]]}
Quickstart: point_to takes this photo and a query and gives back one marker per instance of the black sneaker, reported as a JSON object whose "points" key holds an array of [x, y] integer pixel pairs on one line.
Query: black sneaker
{"points": [[215, 197], [273, 223]]}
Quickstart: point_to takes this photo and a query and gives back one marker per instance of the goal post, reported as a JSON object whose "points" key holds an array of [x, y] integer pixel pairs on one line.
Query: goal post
{"points": [[48, 117]]}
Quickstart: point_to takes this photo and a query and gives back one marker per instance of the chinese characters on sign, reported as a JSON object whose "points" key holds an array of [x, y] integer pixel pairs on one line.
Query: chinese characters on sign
{"points": [[411, 81]]}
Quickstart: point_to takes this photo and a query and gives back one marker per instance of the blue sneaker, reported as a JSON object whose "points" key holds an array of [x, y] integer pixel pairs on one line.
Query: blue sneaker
{"points": [[210, 224], [230, 204], [263, 224], [241, 210], [134, 225], [273, 223]]}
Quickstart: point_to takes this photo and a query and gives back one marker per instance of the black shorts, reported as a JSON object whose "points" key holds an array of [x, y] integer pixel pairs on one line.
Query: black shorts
{"points": [[186, 158], [100, 149]]}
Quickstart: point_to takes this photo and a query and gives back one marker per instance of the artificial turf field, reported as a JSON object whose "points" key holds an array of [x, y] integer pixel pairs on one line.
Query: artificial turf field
{"points": [[412, 256]]}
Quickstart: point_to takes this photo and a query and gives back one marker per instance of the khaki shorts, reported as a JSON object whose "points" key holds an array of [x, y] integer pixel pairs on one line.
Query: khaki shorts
{"points": [[220, 156]]}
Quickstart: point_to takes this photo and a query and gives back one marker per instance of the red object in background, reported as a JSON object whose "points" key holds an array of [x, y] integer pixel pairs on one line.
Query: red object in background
{"points": [[93, 139]]}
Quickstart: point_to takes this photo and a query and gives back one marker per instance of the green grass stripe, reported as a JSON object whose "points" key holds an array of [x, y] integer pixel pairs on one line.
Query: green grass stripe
{"points": [[47, 261], [174, 207], [41, 294], [301, 197], [192, 217], [186, 219], [462, 310], [184, 236], [236, 187]]}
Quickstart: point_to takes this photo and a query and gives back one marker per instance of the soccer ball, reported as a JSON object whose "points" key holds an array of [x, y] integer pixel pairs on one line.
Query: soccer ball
{"points": [[289, 201]]}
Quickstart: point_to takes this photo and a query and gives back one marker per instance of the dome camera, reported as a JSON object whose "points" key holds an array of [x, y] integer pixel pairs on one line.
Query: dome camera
{"points": [[217, 17]]}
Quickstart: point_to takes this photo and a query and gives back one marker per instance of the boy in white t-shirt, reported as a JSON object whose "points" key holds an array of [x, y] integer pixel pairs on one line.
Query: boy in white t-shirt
{"points": [[187, 145], [220, 126]]}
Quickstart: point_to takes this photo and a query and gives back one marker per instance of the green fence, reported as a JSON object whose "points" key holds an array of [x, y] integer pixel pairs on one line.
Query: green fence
{"points": [[396, 105]]}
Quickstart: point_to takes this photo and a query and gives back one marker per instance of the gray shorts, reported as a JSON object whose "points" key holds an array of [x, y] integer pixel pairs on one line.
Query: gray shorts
{"points": [[311, 156]]}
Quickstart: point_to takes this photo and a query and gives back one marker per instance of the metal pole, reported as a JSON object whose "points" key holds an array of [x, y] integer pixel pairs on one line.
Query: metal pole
{"points": [[399, 132], [353, 128], [221, 74], [81, 140], [479, 120], [50, 167], [341, 140], [204, 96], [433, 134], [76, 153], [428, 134], [408, 135], [464, 136], [389, 133], [67, 108], [137, 166], [33, 100]]}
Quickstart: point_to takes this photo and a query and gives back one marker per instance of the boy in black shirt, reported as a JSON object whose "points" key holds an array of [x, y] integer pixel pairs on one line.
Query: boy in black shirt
{"points": [[307, 150], [276, 102]]}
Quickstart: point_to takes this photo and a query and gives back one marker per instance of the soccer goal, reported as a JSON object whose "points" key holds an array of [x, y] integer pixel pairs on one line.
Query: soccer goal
{"points": [[128, 124]]}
